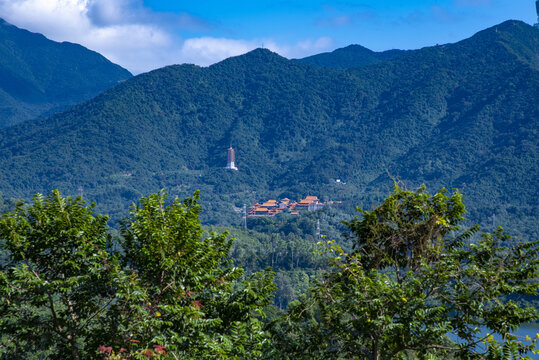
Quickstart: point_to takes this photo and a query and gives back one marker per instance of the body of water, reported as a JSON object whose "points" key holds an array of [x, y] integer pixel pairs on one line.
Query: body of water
{"points": [[529, 330]]}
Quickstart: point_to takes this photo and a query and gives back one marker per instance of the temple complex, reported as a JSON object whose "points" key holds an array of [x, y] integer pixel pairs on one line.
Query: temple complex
{"points": [[274, 207]]}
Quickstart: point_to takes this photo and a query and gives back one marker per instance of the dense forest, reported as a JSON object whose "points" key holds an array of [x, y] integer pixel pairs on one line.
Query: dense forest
{"points": [[409, 281], [288, 245], [462, 115]]}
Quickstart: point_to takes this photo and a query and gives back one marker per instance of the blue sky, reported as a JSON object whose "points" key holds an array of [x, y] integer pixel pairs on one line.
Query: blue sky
{"points": [[142, 35]]}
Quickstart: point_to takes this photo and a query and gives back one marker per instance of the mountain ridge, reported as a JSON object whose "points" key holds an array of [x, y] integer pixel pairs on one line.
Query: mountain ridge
{"points": [[351, 56], [39, 76]]}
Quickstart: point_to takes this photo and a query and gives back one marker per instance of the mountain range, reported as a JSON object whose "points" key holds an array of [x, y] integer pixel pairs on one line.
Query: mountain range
{"points": [[461, 115], [39, 77]]}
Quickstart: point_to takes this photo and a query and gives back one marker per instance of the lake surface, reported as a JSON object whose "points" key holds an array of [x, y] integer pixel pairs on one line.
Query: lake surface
{"points": [[531, 330]]}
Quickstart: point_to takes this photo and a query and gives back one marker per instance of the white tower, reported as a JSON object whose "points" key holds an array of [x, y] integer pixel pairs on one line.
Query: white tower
{"points": [[230, 164]]}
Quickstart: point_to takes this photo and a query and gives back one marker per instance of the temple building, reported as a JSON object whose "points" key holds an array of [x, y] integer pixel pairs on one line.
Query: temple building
{"points": [[274, 207]]}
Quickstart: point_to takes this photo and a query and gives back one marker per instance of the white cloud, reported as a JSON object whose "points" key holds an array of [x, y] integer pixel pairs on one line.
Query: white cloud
{"points": [[55, 18], [208, 50], [109, 12], [314, 46], [137, 47], [135, 37]]}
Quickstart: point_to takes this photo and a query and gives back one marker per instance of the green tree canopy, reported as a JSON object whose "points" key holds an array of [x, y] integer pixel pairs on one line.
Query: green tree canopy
{"points": [[171, 293], [414, 285], [417, 285], [190, 297], [58, 281]]}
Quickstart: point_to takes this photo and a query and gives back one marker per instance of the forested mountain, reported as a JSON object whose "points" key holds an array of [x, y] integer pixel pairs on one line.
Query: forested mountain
{"points": [[350, 57], [39, 76], [461, 115]]}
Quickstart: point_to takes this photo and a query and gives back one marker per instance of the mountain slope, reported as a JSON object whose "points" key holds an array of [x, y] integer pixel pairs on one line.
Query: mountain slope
{"points": [[40, 76], [486, 143], [460, 115], [350, 57]]}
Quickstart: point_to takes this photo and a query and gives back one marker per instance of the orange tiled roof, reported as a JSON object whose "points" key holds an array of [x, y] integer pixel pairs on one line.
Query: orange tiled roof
{"points": [[274, 207]]}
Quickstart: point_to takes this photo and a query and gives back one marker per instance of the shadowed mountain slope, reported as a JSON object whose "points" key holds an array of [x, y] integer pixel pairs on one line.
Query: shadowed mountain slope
{"points": [[39, 76]]}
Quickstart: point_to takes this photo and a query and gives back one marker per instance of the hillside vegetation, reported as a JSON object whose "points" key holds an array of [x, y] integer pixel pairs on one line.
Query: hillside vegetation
{"points": [[39, 77], [415, 284], [463, 115]]}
